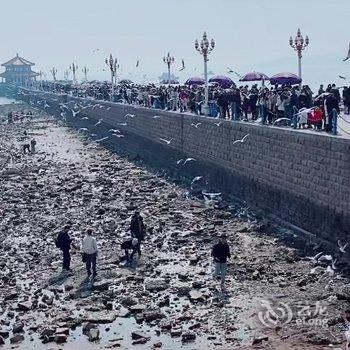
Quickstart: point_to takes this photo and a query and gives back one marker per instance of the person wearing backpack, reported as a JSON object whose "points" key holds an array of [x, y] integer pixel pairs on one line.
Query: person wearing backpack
{"points": [[63, 241]]}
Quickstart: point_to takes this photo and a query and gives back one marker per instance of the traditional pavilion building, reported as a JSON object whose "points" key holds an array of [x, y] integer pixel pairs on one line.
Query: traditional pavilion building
{"points": [[18, 72]]}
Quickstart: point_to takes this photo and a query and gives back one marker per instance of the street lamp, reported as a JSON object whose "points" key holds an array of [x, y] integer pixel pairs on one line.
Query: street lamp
{"points": [[54, 72], [168, 60], [204, 48], [74, 69], [299, 44], [112, 64], [85, 71]]}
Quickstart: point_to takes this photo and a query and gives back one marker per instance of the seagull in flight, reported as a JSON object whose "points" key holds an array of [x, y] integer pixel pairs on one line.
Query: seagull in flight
{"points": [[218, 124], [348, 55], [196, 125], [95, 50], [156, 116], [137, 63], [342, 247], [230, 71], [114, 131], [326, 257], [280, 120], [118, 135], [315, 258], [341, 77], [99, 122], [82, 129], [211, 195], [179, 161], [108, 108], [103, 138], [166, 141], [242, 140], [123, 124], [84, 118], [74, 113], [188, 160], [183, 65], [129, 115], [197, 178]]}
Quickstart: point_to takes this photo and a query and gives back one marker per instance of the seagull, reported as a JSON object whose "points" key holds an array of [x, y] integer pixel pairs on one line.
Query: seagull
{"points": [[314, 258], [218, 124], [114, 130], [84, 118], [197, 178], [229, 70], [166, 141], [137, 63], [108, 108], [196, 125], [342, 247], [95, 106], [74, 113], [82, 129], [95, 50], [183, 65], [99, 122], [242, 140], [118, 135], [129, 115], [63, 105], [348, 55], [211, 195], [93, 135], [316, 270], [156, 116], [103, 138], [46, 105], [326, 257], [188, 160], [341, 77], [123, 124], [179, 161]]}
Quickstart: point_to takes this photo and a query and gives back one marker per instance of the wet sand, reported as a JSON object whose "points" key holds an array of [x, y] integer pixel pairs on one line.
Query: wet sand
{"points": [[70, 178]]}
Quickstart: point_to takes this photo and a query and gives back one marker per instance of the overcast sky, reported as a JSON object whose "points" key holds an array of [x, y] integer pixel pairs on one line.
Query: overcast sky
{"points": [[249, 35]]}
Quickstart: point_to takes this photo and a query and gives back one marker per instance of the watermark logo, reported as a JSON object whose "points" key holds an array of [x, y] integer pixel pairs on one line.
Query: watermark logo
{"points": [[274, 314]]}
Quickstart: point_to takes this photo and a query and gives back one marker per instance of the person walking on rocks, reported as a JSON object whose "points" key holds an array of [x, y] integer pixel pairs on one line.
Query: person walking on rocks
{"points": [[137, 229], [63, 241], [32, 145], [90, 251], [132, 244], [220, 253]]}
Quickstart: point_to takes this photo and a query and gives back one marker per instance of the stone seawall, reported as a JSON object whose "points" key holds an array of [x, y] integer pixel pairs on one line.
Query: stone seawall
{"points": [[302, 178]]}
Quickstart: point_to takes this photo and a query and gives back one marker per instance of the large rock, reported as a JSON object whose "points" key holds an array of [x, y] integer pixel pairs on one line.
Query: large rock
{"points": [[138, 335], [25, 306], [188, 336], [16, 338], [152, 315], [156, 285], [100, 317], [60, 338], [94, 334], [102, 285], [18, 327]]}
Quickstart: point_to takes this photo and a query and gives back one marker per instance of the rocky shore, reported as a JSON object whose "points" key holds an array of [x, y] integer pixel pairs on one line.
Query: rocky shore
{"points": [[275, 298]]}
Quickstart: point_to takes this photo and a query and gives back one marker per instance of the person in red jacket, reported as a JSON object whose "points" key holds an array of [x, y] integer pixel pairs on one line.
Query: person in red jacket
{"points": [[315, 118]]}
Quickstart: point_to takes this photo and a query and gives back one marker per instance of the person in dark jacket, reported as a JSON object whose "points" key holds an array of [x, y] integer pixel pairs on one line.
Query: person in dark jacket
{"points": [[63, 242], [331, 103], [137, 227], [132, 244], [220, 253]]}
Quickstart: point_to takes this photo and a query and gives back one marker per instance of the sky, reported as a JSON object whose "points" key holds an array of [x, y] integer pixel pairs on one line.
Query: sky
{"points": [[249, 35]]}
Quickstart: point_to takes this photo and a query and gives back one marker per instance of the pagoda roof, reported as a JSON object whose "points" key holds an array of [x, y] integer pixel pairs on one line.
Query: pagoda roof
{"points": [[18, 61]]}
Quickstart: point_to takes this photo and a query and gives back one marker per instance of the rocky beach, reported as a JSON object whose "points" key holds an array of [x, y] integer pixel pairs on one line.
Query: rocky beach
{"points": [[276, 297]]}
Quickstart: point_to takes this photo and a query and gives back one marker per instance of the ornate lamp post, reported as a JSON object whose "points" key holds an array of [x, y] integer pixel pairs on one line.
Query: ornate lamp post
{"points": [[112, 64], [204, 48], [85, 71], [299, 44], [168, 60], [54, 72], [74, 69]]}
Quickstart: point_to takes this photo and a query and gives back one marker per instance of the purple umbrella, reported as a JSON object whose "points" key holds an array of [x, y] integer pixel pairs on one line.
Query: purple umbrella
{"points": [[285, 78], [194, 81], [172, 81], [254, 76], [223, 81]]}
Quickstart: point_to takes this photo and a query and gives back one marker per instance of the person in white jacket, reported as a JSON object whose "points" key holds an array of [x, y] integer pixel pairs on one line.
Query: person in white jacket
{"points": [[90, 252]]}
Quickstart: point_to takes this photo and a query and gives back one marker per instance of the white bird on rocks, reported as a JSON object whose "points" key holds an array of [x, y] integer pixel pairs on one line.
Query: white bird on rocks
{"points": [[129, 115], [188, 160], [114, 131], [342, 247], [166, 141], [99, 122], [211, 195], [316, 270], [242, 140], [196, 125], [197, 178]]}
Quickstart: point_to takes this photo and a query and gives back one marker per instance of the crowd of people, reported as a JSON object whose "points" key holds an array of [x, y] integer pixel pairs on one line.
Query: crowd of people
{"points": [[268, 104], [131, 249]]}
